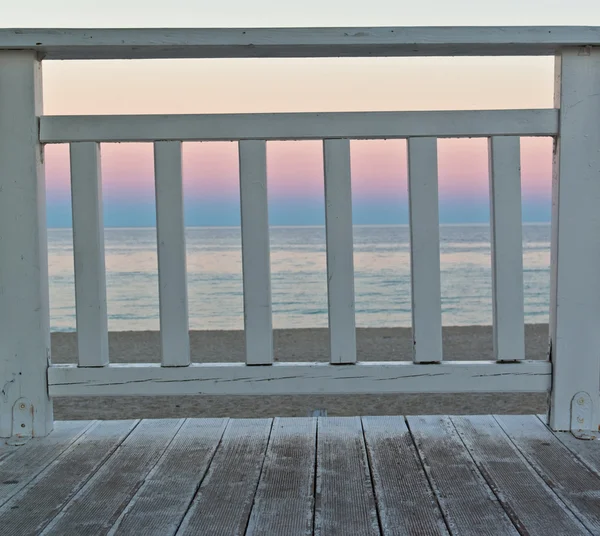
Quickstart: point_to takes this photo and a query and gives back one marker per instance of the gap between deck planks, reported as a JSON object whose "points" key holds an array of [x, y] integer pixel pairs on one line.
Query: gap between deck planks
{"points": [[303, 476]]}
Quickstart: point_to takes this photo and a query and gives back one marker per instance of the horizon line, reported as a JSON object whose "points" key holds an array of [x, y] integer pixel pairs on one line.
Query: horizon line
{"points": [[321, 226]]}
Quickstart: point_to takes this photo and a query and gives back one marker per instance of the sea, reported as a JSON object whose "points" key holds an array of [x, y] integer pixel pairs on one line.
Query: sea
{"points": [[299, 280]]}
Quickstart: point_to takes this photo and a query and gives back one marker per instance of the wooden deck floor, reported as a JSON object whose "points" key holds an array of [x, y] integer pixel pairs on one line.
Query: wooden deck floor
{"points": [[342, 476]]}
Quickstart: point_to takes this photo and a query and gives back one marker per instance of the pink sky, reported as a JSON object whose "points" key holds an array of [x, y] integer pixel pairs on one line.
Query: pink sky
{"points": [[295, 168]]}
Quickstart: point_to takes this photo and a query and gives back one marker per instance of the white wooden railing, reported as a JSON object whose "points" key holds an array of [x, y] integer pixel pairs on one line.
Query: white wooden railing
{"points": [[28, 380]]}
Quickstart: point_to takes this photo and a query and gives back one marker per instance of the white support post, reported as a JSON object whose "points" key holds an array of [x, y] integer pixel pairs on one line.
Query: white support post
{"points": [[425, 250], [507, 248], [88, 252], [172, 276], [256, 260], [575, 266], [340, 246], [25, 408]]}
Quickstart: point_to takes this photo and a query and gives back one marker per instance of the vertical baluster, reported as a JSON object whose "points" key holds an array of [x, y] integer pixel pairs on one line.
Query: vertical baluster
{"points": [[172, 276], [340, 261], [88, 250], [425, 250], [507, 248], [255, 252]]}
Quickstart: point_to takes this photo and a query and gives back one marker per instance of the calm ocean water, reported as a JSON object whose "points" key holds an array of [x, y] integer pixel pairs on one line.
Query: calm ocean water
{"points": [[299, 283]]}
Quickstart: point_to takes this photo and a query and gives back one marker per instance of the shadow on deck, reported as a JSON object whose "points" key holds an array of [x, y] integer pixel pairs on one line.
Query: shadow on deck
{"points": [[342, 476]]}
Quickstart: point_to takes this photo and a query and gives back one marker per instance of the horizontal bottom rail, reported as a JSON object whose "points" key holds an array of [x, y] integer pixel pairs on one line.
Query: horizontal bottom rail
{"points": [[150, 379]]}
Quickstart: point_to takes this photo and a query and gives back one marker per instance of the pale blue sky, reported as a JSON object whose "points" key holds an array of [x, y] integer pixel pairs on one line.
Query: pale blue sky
{"points": [[232, 13]]}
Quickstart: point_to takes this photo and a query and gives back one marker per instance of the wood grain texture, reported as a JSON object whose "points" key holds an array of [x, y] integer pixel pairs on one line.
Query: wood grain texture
{"points": [[24, 302], [223, 503], [299, 126], [284, 501], [575, 249], [30, 511], [344, 501], [79, 43], [507, 248], [170, 238], [31, 459], [426, 294], [261, 480], [161, 503], [256, 257], [88, 253], [300, 378], [405, 501], [340, 251], [533, 507], [6, 450], [576, 485], [587, 452], [95, 508], [467, 502]]}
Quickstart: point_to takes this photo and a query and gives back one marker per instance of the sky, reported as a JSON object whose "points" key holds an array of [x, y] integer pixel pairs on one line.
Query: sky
{"points": [[295, 169]]}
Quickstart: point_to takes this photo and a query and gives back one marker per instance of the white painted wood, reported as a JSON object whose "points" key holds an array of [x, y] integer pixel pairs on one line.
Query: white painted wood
{"points": [[300, 378], [507, 248], [256, 260], [24, 309], [300, 126], [575, 280], [172, 274], [425, 250], [340, 251], [88, 252], [100, 43]]}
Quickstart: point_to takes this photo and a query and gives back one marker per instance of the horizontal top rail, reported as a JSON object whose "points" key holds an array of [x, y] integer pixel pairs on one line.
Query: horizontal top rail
{"points": [[148, 43], [298, 126]]}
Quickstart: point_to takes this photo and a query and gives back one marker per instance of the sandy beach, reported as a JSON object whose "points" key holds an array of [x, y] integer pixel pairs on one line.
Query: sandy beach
{"points": [[374, 344]]}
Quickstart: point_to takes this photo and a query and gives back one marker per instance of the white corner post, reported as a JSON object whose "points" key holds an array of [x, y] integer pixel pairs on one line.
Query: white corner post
{"points": [[575, 266], [25, 408]]}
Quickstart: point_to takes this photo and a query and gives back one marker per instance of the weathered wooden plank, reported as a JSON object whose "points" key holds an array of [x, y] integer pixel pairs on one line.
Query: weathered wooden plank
{"points": [[344, 501], [284, 500], [24, 309], [299, 126], [6, 450], [32, 458], [588, 451], [88, 252], [172, 275], [405, 501], [95, 508], [340, 251], [467, 502], [162, 501], [507, 248], [531, 504], [256, 259], [575, 251], [576, 485], [425, 250], [223, 502], [28, 512], [301, 378], [105, 43]]}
